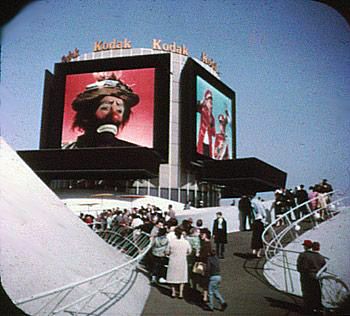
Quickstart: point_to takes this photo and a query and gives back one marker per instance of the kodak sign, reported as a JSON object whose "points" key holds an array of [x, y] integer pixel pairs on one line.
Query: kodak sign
{"points": [[209, 61], [115, 44], [157, 44], [173, 47]]}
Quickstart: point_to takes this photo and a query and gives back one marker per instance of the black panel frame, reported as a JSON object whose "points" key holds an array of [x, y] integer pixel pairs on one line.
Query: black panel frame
{"points": [[54, 93], [188, 97], [244, 175], [94, 163]]}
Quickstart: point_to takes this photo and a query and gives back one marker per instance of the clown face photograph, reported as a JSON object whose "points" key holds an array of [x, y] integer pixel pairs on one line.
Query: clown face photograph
{"points": [[105, 109]]}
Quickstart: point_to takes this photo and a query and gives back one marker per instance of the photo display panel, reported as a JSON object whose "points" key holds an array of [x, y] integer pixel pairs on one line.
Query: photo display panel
{"points": [[214, 122], [125, 98]]}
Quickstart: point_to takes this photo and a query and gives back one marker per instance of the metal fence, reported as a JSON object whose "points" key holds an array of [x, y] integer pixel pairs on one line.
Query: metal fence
{"points": [[95, 294], [288, 227]]}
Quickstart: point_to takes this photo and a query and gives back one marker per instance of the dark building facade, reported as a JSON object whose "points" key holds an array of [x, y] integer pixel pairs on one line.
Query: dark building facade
{"points": [[178, 143]]}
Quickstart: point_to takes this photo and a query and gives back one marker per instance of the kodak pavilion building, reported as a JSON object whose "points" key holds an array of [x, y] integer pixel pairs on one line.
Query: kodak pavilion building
{"points": [[144, 121]]}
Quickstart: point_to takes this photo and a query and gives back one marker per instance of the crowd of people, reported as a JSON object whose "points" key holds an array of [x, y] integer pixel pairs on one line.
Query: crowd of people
{"points": [[186, 255], [317, 197], [182, 254], [128, 218]]}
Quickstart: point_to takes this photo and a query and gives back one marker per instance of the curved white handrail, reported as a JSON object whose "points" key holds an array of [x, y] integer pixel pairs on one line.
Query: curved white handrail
{"points": [[276, 238], [108, 284], [275, 243]]}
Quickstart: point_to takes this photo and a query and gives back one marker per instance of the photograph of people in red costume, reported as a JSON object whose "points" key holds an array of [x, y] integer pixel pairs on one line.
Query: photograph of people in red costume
{"points": [[214, 128], [221, 145], [113, 108]]}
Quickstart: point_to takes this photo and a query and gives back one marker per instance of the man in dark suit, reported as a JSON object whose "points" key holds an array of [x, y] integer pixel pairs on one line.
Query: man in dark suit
{"points": [[220, 234], [301, 197], [308, 264], [245, 212]]}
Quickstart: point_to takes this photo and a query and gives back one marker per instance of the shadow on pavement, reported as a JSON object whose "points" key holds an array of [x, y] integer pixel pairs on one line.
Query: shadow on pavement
{"points": [[248, 255], [292, 307]]}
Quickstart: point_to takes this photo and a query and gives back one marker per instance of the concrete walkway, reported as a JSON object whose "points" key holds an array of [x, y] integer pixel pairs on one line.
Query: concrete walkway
{"points": [[244, 287]]}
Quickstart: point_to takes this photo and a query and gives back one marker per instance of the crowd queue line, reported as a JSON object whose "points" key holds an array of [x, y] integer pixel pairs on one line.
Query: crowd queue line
{"points": [[183, 254]]}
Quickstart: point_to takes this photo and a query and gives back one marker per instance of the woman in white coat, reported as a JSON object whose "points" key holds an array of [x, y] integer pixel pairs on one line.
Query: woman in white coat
{"points": [[178, 250]]}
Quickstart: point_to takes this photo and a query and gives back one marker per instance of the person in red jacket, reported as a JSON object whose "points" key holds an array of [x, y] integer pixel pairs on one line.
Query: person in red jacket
{"points": [[207, 125]]}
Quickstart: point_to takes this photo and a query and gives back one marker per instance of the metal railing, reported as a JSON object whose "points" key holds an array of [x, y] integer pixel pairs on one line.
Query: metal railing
{"points": [[95, 294], [284, 230]]}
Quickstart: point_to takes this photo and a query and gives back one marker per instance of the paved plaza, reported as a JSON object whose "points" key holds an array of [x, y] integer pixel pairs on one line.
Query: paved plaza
{"points": [[244, 287]]}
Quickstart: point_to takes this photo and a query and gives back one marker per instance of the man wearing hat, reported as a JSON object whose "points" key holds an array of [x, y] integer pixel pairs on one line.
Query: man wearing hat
{"points": [[326, 187], [309, 263], [206, 126], [102, 109]]}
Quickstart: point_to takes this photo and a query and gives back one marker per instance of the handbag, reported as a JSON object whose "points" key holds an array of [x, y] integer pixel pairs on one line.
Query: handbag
{"points": [[199, 268]]}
